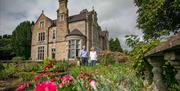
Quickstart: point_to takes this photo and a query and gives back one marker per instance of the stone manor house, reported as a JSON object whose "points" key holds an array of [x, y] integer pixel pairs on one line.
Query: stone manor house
{"points": [[62, 39]]}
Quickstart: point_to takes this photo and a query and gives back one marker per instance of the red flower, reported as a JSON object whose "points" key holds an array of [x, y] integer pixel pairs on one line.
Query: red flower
{"points": [[37, 77], [46, 86], [81, 76], [46, 67], [22, 86]]}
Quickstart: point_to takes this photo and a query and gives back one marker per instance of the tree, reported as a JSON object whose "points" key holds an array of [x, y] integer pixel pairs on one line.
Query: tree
{"points": [[111, 44], [118, 45], [6, 49], [132, 40], [158, 17], [21, 39], [6, 36], [114, 45]]}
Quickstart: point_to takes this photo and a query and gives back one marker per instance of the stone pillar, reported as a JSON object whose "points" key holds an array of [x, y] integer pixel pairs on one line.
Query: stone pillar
{"points": [[157, 77], [174, 59]]}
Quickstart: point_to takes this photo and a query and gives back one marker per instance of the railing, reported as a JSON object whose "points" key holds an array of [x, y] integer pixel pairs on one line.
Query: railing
{"points": [[167, 51], [22, 61]]}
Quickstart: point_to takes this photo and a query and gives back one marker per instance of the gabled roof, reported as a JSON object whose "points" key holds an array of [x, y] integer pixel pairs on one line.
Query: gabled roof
{"points": [[74, 18], [42, 14]]}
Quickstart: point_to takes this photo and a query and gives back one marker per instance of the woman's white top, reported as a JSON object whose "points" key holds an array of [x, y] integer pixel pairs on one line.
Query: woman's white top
{"points": [[93, 55]]}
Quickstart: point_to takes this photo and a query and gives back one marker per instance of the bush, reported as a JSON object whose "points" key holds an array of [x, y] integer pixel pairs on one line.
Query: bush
{"points": [[1, 67], [26, 76], [29, 67], [8, 72], [107, 57], [16, 59]]}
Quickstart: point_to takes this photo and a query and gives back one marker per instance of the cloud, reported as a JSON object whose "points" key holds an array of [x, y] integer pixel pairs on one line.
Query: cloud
{"points": [[117, 16]]}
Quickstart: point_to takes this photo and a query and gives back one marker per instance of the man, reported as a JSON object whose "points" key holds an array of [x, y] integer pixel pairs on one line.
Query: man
{"points": [[84, 56]]}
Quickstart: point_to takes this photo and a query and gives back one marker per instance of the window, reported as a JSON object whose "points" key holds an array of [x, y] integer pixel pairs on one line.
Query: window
{"points": [[74, 48], [53, 51], [41, 37], [42, 25], [41, 53], [54, 34], [62, 17]]}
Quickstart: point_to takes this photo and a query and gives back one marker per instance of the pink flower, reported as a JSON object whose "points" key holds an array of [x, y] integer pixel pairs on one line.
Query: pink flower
{"points": [[22, 86], [46, 86], [66, 79], [61, 85], [92, 84]]}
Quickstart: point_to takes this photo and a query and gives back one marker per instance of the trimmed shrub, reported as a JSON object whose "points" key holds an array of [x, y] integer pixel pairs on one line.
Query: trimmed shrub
{"points": [[107, 57]]}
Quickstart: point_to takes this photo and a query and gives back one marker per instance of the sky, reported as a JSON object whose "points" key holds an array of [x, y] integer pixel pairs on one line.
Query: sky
{"points": [[117, 16]]}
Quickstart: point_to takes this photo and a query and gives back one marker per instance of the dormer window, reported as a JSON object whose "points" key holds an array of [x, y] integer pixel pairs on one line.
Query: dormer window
{"points": [[42, 24]]}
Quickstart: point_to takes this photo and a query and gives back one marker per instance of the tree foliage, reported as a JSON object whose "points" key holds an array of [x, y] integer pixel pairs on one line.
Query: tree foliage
{"points": [[158, 17], [21, 39], [114, 45], [6, 47]]}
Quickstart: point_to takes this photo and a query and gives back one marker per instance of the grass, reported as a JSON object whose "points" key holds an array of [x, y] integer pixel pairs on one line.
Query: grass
{"points": [[115, 75]]}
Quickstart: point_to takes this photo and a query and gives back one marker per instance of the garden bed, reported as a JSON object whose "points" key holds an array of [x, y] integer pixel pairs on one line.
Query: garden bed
{"points": [[111, 77]]}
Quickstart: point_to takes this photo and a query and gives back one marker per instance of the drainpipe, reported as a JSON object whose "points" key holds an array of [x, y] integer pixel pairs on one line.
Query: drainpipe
{"points": [[48, 43]]}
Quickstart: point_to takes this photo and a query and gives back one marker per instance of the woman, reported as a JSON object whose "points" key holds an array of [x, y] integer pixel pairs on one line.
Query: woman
{"points": [[93, 57]]}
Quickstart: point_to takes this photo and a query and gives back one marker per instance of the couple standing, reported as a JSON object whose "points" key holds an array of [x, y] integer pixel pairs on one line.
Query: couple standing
{"points": [[84, 55]]}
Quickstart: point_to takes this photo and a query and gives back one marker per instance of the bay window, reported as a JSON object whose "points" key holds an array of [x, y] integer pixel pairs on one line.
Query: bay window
{"points": [[74, 48]]}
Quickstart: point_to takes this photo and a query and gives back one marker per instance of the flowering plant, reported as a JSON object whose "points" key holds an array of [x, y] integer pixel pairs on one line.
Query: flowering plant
{"points": [[86, 81], [50, 78], [22, 86]]}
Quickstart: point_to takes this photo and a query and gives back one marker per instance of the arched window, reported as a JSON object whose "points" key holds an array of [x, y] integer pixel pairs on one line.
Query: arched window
{"points": [[42, 24], [62, 17]]}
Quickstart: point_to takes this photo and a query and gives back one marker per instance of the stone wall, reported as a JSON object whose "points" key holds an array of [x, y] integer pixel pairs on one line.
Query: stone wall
{"points": [[80, 25], [35, 31]]}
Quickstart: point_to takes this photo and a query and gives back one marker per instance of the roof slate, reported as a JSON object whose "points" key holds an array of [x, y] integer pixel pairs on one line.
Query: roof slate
{"points": [[74, 18]]}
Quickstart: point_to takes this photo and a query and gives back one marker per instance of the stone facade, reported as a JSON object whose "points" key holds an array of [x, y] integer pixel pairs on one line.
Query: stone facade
{"points": [[61, 39]]}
